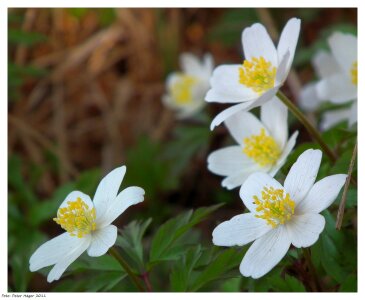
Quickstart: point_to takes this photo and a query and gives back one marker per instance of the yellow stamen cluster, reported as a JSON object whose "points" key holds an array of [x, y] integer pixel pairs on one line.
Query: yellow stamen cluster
{"points": [[354, 73], [262, 148], [76, 218], [181, 90], [274, 207], [257, 74]]}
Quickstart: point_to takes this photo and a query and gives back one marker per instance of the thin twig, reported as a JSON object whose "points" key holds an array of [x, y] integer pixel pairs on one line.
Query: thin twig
{"points": [[341, 209]]}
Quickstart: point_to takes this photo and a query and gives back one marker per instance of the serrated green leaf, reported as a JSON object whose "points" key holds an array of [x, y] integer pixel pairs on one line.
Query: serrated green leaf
{"points": [[219, 266], [174, 228], [180, 275], [131, 241]]}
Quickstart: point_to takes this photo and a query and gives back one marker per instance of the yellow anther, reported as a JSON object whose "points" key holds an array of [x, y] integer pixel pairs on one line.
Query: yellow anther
{"points": [[181, 90], [76, 218], [257, 74], [353, 73], [275, 206], [262, 148]]}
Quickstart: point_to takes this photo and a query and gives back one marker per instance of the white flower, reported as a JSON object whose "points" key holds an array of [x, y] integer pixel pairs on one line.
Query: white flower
{"points": [[324, 66], [338, 80], [260, 76], [186, 89], [262, 145], [280, 216], [87, 224]]}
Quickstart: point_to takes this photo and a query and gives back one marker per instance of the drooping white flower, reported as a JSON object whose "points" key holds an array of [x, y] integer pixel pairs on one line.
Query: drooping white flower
{"points": [[186, 89], [87, 224], [262, 145], [262, 73], [280, 215], [337, 72]]}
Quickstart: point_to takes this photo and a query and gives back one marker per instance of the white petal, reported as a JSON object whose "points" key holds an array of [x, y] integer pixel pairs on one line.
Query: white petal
{"points": [[102, 240], [265, 253], [244, 124], [302, 174], [284, 155], [208, 65], [283, 70], [128, 197], [322, 194], [304, 230], [225, 114], [52, 251], [68, 258], [274, 114], [245, 106], [353, 114], [288, 41], [336, 88], [325, 64], [344, 49], [254, 185], [190, 64], [229, 160], [73, 197], [308, 98], [240, 230], [237, 179], [257, 42], [333, 117], [226, 87], [107, 191]]}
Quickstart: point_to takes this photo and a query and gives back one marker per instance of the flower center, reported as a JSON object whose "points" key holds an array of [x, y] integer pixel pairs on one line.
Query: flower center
{"points": [[262, 148], [182, 89], [353, 73], [257, 74], [274, 206], [76, 218]]}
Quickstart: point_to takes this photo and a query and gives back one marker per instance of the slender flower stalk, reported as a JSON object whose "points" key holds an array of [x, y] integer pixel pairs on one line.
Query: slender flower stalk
{"points": [[113, 252], [316, 135]]}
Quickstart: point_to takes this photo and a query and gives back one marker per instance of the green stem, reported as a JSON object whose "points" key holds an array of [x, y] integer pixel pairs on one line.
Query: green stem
{"points": [[312, 270], [113, 252], [316, 135]]}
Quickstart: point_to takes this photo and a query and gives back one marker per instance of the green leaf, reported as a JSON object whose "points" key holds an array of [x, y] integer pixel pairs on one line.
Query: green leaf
{"points": [[350, 284], [287, 284], [174, 228], [330, 258], [180, 274], [101, 263], [130, 240], [218, 267], [232, 285]]}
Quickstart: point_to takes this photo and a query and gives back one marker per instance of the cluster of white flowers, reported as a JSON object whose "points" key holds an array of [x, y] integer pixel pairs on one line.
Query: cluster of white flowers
{"points": [[337, 72], [279, 216]]}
